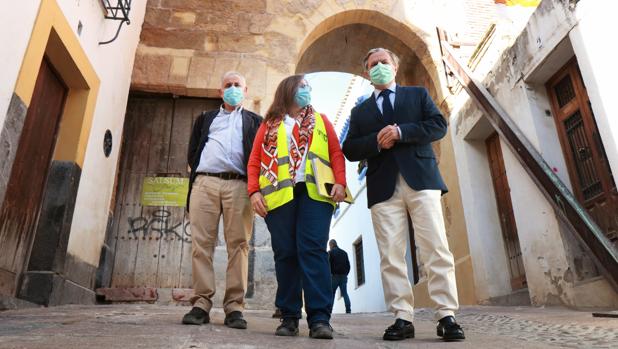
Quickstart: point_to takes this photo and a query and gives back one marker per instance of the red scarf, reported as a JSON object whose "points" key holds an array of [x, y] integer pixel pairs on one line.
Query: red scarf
{"points": [[301, 139]]}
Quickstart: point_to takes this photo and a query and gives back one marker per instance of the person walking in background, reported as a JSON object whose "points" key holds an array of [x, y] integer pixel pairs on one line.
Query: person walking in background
{"points": [[218, 153], [393, 130], [283, 190], [339, 269]]}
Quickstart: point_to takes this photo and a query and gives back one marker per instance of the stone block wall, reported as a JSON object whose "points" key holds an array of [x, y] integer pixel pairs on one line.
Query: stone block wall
{"points": [[186, 46]]}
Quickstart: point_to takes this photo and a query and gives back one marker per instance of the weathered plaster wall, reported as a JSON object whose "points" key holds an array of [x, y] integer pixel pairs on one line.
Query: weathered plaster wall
{"points": [[113, 65], [597, 67], [105, 72], [516, 79], [14, 37]]}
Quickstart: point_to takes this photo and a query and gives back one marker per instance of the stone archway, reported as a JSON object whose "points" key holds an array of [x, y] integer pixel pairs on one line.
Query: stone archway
{"points": [[339, 43], [186, 46]]}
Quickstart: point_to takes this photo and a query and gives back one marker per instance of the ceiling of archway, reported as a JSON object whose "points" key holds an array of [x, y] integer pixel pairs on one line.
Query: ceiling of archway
{"points": [[342, 49]]}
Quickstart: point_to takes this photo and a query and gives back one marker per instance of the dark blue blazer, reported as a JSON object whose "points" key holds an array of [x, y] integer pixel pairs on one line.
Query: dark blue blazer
{"points": [[420, 122]]}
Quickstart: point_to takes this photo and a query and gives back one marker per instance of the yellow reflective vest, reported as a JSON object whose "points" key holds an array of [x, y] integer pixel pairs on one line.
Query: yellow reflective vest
{"points": [[284, 191]]}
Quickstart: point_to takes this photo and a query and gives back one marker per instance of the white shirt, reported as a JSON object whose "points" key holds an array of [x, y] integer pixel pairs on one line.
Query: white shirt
{"points": [[289, 123], [224, 150], [379, 99]]}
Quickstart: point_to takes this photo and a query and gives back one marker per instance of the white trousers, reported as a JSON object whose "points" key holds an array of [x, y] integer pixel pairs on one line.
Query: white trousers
{"points": [[390, 223]]}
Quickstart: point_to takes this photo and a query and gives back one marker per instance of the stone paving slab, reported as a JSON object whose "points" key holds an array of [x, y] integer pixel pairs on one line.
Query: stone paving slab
{"points": [[155, 326]]}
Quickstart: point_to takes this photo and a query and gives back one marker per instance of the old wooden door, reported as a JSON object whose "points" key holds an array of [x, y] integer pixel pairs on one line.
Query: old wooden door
{"points": [[589, 171], [22, 203], [505, 211], [153, 244]]}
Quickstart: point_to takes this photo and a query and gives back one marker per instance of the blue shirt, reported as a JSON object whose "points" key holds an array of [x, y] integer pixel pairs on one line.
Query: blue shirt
{"points": [[224, 150]]}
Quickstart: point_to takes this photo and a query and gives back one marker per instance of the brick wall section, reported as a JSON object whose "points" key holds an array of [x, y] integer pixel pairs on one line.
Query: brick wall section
{"points": [[479, 15]]}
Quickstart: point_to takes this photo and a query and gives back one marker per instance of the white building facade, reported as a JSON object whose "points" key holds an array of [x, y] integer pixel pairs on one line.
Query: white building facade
{"points": [[554, 82], [54, 66]]}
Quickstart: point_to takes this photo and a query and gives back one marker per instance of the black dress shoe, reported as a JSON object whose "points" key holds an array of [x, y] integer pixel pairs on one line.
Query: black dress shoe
{"points": [[400, 330], [235, 320], [449, 329], [288, 327], [321, 330], [196, 316]]}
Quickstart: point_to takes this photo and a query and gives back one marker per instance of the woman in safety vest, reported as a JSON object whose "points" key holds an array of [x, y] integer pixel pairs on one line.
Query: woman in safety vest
{"points": [[282, 187]]}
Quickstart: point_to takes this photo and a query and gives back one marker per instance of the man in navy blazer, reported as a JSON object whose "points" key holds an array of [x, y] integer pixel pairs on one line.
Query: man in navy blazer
{"points": [[393, 129]]}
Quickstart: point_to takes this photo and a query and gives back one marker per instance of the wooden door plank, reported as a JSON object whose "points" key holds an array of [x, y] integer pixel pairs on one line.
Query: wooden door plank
{"points": [[168, 275], [505, 211], [130, 225], [186, 278], [130, 220], [193, 108], [148, 247]]}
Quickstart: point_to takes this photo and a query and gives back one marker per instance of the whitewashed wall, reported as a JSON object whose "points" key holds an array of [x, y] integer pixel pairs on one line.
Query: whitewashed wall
{"points": [[597, 61], [17, 21], [516, 79], [346, 229], [113, 64]]}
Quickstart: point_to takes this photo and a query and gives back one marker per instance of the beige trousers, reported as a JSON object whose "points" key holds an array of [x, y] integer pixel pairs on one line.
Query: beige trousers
{"points": [[210, 198], [390, 223]]}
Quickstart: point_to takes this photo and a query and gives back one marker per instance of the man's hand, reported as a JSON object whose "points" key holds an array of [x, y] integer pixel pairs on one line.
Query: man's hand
{"points": [[388, 136], [259, 204], [337, 193]]}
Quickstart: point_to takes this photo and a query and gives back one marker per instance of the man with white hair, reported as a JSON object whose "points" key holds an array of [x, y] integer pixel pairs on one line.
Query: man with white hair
{"points": [[393, 129], [219, 150]]}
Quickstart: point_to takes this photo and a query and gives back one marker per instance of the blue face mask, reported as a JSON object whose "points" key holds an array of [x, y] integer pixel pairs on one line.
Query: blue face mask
{"points": [[303, 96], [233, 95]]}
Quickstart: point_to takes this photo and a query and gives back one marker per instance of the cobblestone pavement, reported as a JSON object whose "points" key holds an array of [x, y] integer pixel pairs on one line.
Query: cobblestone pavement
{"points": [[154, 326]]}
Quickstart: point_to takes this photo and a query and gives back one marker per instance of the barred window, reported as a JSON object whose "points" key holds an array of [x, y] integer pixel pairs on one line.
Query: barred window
{"points": [[359, 262]]}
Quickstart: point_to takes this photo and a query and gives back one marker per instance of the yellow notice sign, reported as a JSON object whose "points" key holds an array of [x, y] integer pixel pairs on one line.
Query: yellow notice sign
{"points": [[165, 191]]}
